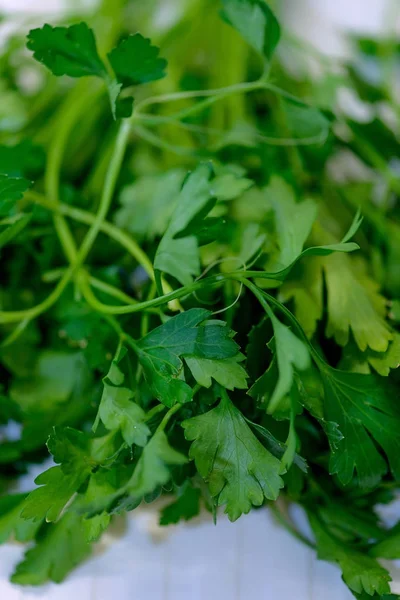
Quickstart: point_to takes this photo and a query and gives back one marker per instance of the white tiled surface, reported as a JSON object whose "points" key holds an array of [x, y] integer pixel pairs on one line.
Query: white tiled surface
{"points": [[253, 558]]}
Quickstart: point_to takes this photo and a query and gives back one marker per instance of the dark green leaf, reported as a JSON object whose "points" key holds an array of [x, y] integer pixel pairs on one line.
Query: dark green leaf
{"points": [[185, 508], [363, 408], [240, 472], [67, 50], [186, 335], [136, 61]]}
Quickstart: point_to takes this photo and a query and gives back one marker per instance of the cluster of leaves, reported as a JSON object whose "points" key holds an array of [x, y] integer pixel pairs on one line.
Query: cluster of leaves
{"points": [[183, 308]]}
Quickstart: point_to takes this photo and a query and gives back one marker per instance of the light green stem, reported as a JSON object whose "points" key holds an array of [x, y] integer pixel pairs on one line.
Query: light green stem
{"points": [[112, 174], [111, 230], [74, 107]]}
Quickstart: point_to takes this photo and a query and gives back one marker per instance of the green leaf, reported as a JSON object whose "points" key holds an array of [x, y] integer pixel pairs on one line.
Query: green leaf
{"points": [[305, 122], [10, 231], [384, 362], [227, 371], [193, 199], [187, 334], [58, 484], [363, 408], [361, 362], [293, 220], [136, 61], [361, 572], [255, 22], [67, 50], [240, 472], [152, 469], [185, 507], [121, 108], [290, 354], [355, 304], [305, 287], [52, 382], [389, 547], [276, 447], [344, 246], [93, 527], [117, 410], [12, 189], [79, 455], [61, 548], [147, 204], [228, 186], [11, 522], [23, 159]]}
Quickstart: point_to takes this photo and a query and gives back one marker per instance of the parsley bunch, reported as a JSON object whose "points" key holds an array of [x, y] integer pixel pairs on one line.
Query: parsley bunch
{"points": [[191, 304]]}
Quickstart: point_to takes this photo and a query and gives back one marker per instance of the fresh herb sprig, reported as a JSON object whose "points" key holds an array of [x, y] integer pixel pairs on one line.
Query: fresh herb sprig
{"points": [[136, 241]]}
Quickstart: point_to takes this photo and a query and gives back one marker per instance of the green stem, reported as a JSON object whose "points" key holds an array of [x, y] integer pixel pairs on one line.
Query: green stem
{"points": [[264, 298], [83, 216], [156, 410], [74, 107], [238, 88], [112, 174], [289, 526], [154, 303], [168, 416]]}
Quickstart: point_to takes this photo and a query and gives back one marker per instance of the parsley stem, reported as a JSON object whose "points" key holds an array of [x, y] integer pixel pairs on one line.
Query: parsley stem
{"points": [[75, 105], [289, 526], [83, 216], [153, 303], [168, 416], [155, 411], [264, 298], [111, 179], [238, 88]]}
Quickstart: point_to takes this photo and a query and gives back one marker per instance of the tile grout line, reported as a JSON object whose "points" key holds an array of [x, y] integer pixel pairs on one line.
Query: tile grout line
{"points": [[310, 574], [238, 560]]}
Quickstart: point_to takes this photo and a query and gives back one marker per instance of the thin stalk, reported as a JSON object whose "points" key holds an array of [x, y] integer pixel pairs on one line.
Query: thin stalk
{"points": [[290, 527], [83, 216], [238, 88], [168, 416], [112, 174], [156, 410], [75, 105]]}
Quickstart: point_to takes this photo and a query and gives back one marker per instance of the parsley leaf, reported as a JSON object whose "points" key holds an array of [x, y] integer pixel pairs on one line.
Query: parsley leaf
{"points": [[256, 22], [152, 469], [11, 522], [72, 51], [361, 309], [67, 50], [293, 220], [228, 372], [11, 190], [136, 61], [240, 472], [147, 204], [193, 201], [362, 407], [58, 550], [185, 507], [78, 455], [361, 572], [117, 411], [290, 353], [186, 335]]}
